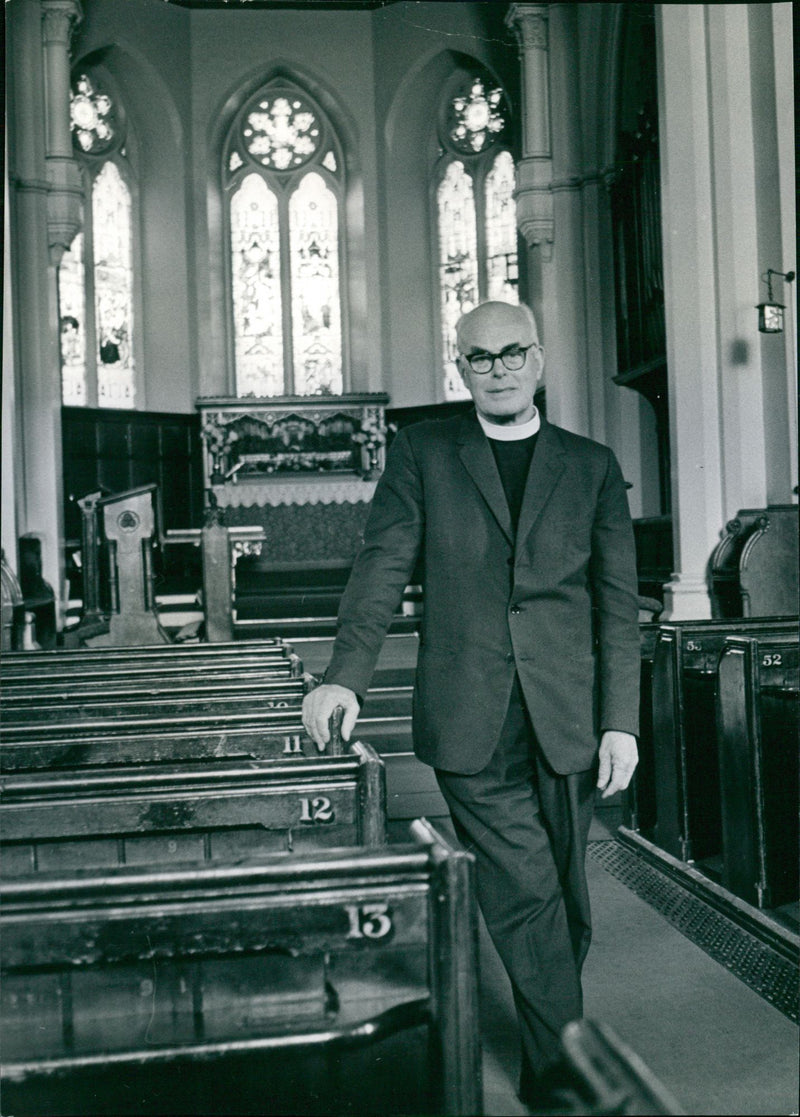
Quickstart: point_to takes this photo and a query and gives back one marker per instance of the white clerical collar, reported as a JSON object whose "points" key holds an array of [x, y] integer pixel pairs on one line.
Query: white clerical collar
{"points": [[511, 432]]}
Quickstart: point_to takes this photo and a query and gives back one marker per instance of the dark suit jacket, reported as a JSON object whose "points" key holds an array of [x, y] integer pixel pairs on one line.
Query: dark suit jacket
{"points": [[558, 605]]}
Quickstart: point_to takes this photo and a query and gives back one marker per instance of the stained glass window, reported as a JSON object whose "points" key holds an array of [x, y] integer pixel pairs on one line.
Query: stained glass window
{"points": [[113, 288], [282, 132], [283, 173], [92, 117], [475, 210], [72, 311], [256, 283], [458, 264], [95, 276], [501, 231], [476, 117], [316, 318]]}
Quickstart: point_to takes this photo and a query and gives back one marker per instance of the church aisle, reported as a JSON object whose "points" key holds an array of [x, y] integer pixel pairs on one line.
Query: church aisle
{"points": [[714, 1044]]}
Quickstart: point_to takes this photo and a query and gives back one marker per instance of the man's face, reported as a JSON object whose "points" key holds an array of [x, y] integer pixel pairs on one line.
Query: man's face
{"points": [[501, 395]]}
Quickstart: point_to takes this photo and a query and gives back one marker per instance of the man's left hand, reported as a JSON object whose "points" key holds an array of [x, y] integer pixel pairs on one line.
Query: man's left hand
{"points": [[618, 758]]}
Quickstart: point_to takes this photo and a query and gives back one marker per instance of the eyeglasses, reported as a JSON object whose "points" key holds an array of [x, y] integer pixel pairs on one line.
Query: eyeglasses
{"points": [[513, 359]]}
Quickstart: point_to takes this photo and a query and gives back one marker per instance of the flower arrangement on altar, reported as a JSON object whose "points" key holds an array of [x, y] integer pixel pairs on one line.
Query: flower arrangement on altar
{"points": [[372, 436], [218, 442]]}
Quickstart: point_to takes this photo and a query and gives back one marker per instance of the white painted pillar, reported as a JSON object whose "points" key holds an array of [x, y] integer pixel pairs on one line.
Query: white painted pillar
{"points": [[741, 369], [774, 68], [45, 214], [722, 219], [693, 335], [8, 473]]}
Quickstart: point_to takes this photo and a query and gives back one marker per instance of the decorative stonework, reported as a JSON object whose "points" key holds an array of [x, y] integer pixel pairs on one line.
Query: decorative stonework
{"points": [[255, 440], [65, 189], [529, 23], [534, 193], [534, 33]]}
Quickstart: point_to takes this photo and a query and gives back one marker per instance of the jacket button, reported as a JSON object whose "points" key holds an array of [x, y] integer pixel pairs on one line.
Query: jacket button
{"points": [[515, 609], [510, 657]]}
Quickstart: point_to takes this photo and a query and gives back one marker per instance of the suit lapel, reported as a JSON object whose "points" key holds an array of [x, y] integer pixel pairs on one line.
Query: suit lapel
{"points": [[478, 459], [546, 468]]}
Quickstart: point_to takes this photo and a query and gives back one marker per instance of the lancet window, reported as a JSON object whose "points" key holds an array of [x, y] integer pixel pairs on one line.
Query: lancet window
{"points": [[96, 273], [283, 180], [475, 212]]}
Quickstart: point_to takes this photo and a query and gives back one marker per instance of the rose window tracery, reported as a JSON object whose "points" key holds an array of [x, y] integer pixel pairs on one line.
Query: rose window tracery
{"points": [[92, 117], [282, 132]]}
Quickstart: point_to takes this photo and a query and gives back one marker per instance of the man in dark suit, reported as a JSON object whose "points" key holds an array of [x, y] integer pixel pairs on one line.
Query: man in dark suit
{"points": [[526, 695]]}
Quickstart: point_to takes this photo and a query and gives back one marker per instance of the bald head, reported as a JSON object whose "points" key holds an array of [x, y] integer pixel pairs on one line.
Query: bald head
{"points": [[500, 360], [490, 320]]}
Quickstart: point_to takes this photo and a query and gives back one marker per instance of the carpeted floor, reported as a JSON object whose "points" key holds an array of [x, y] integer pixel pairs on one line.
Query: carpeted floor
{"points": [[710, 1009], [714, 1042]]}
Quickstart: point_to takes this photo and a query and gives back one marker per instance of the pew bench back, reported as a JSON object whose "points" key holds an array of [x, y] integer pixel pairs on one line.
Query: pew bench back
{"points": [[272, 735], [145, 681], [203, 966], [758, 729], [154, 814], [58, 708], [688, 810]]}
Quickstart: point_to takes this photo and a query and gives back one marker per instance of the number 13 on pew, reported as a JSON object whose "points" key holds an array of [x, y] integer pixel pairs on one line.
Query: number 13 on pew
{"points": [[368, 921]]}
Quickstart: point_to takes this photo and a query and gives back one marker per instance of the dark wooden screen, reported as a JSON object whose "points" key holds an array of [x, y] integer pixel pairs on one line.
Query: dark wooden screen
{"points": [[112, 451]]}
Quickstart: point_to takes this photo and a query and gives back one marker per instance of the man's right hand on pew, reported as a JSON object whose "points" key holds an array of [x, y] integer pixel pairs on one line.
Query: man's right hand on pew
{"points": [[319, 704]]}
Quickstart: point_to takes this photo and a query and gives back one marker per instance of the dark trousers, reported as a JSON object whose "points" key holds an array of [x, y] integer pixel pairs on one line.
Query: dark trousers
{"points": [[528, 828]]}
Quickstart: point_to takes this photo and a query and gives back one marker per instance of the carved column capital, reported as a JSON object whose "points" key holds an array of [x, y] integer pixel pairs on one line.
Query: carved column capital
{"points": [[58, 19], [529, 23]]}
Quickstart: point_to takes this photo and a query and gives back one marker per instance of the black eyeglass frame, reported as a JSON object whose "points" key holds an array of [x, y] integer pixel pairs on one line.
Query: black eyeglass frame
{"points": [[514, 351]]}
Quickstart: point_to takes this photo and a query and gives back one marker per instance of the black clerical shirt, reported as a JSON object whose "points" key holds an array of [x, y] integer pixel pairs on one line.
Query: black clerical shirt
{"points": [[513, 462]]}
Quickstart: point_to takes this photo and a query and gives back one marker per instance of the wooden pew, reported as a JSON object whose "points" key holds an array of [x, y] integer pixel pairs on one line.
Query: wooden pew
{"points": [[603, 1076], [688, 820], [256, 735], [155, 701], [139, 678], [339, 982], [758, 727], [62, 661], [154, 813]]}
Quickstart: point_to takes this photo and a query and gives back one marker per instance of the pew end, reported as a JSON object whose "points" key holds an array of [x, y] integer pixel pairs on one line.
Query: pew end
{"points": [[604, 1076], [345, 963]]}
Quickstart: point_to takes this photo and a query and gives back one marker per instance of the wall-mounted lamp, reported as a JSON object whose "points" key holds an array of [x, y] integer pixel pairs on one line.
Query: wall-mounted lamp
{"points": [[770, 313]]}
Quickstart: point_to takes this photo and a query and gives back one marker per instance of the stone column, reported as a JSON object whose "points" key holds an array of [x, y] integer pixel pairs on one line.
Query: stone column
{"points": [[693, 340], [65, 194], [535, 168], [44, 216], [729, 432], [550, 203]]}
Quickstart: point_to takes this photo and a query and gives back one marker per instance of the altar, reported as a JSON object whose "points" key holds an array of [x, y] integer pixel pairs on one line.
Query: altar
{"points": [[303, 468]]}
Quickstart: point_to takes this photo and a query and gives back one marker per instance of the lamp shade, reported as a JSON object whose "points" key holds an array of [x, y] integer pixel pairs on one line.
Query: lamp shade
{"points": [[770, 318]]}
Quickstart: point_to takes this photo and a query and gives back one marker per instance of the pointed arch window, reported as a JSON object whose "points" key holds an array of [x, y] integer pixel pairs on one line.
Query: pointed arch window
{"points": [[475, 214], [283, 179], [96, 273]]}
